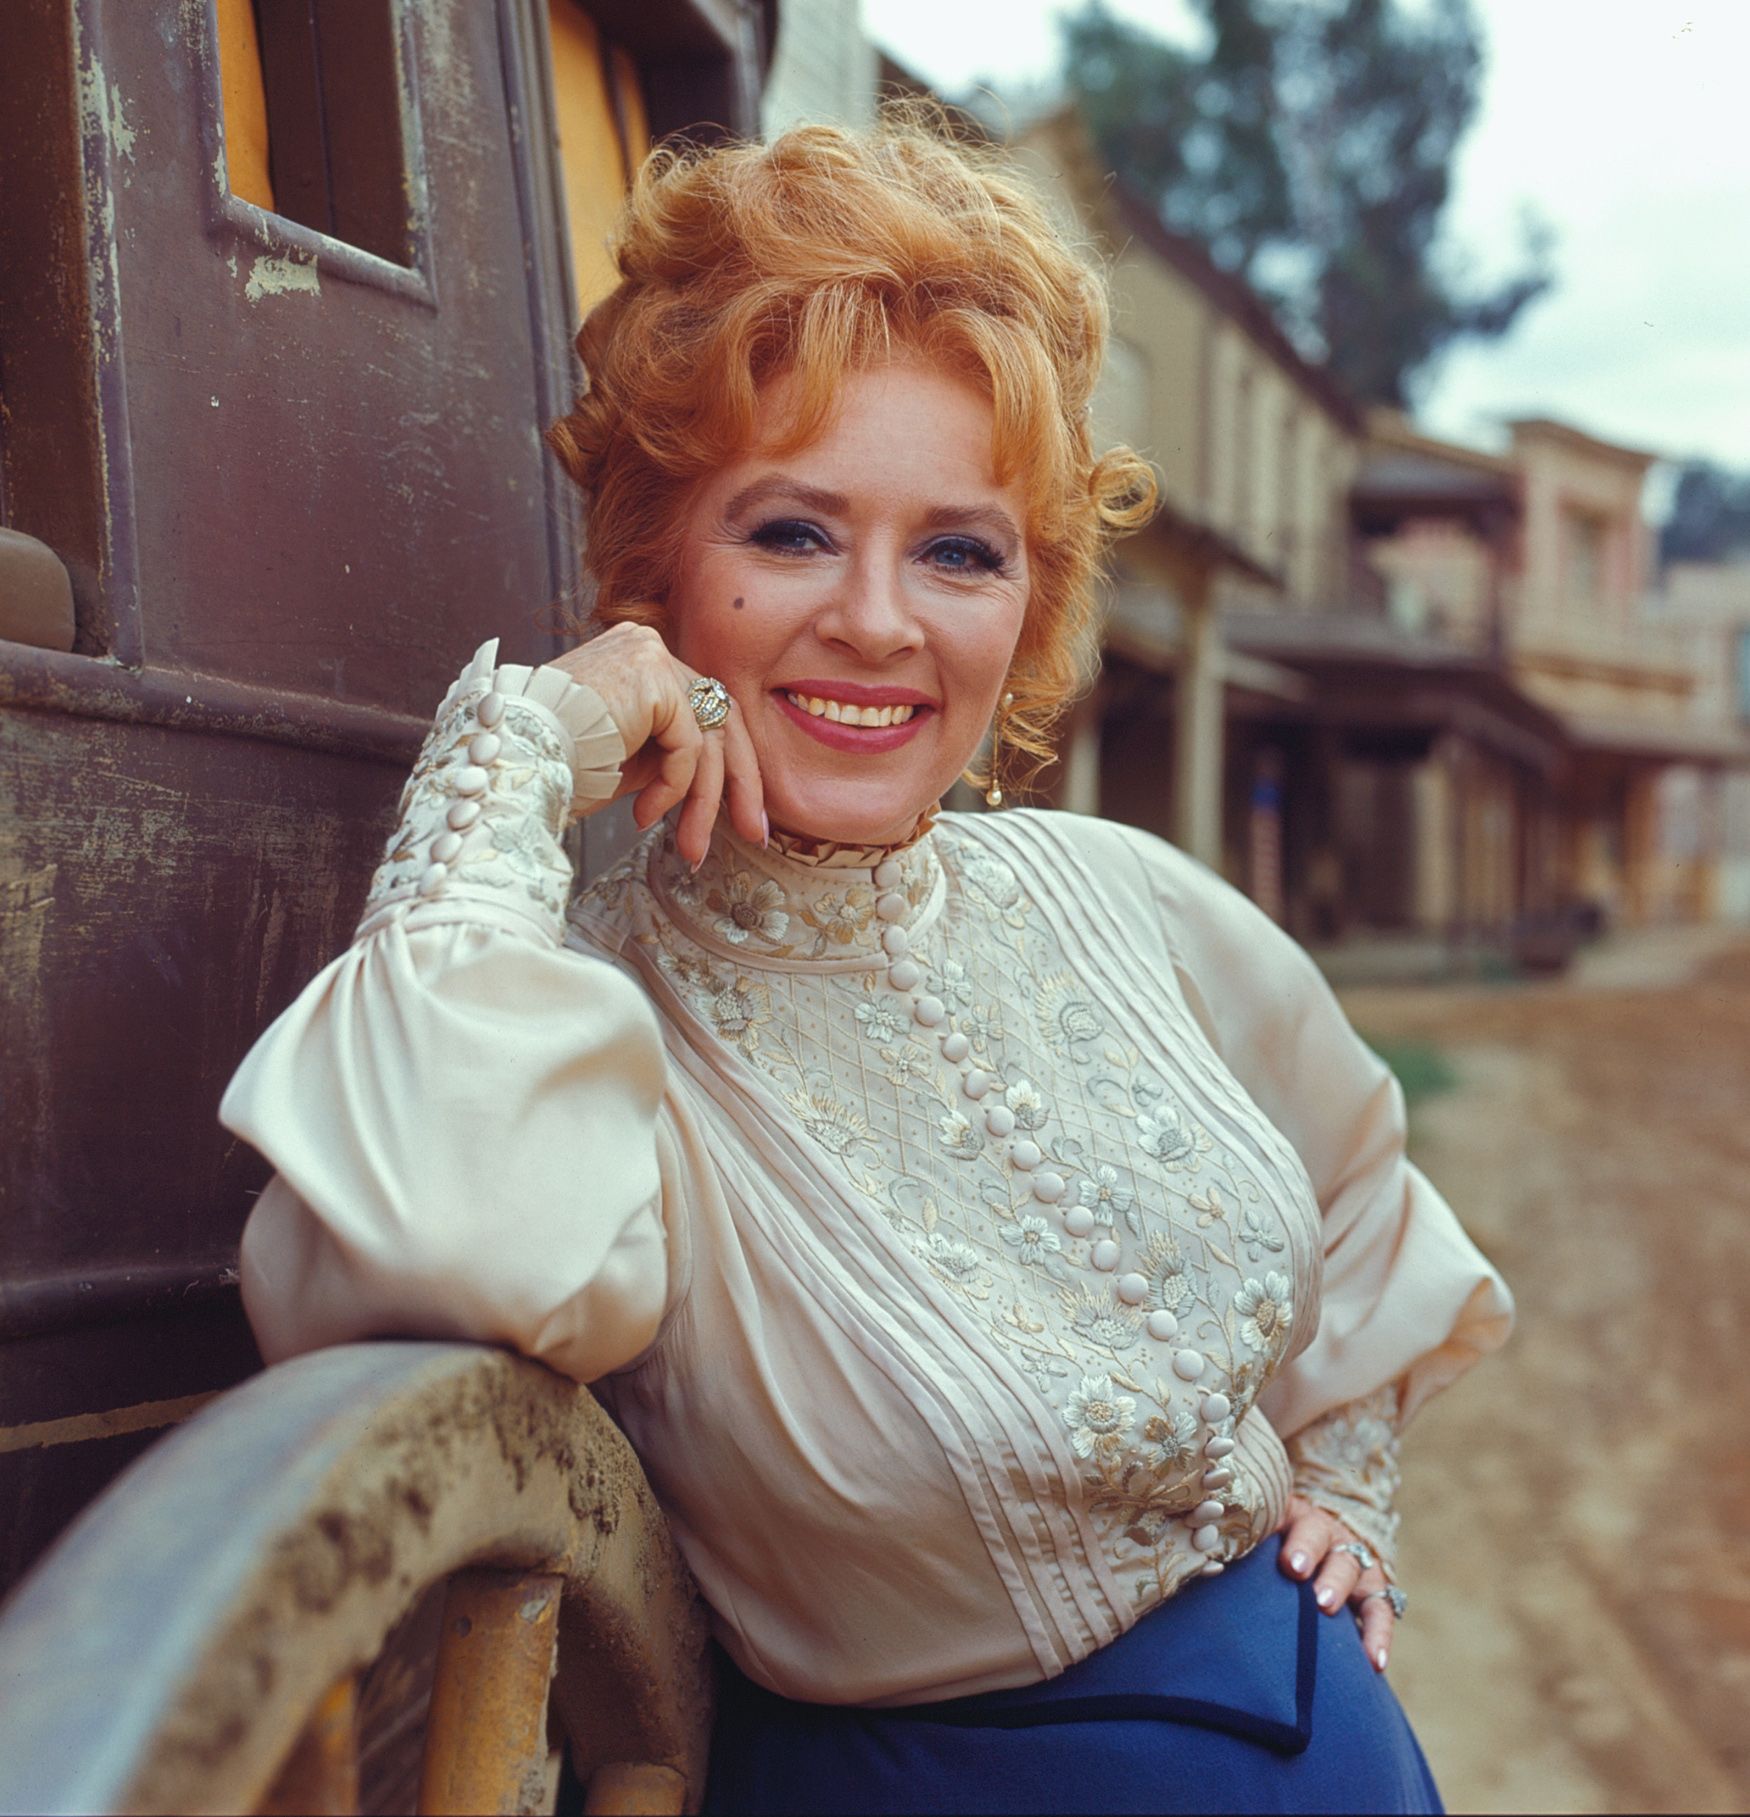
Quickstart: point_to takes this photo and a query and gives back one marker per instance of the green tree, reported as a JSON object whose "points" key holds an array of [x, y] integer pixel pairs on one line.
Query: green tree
{"points": [[1710, 515], [1309, 146]]}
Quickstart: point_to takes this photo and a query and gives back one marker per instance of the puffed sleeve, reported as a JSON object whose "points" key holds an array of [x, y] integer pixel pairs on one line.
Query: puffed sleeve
{"points": [[1408, 1302], [463, 1114]]}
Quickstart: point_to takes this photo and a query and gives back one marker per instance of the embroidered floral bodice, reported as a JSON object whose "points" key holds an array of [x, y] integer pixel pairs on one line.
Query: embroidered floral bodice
{"points": [[954, 1241]]}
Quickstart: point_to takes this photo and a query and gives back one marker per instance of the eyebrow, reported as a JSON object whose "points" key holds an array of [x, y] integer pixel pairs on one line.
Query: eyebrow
{"points": [[780, 485], [990, 518]]}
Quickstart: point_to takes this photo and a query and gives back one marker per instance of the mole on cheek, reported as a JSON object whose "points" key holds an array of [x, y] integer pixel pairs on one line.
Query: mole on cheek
{"points": [[738, 603]]}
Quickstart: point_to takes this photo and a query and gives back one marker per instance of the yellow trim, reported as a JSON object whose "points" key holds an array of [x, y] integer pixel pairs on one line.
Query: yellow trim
{"points": [[245, 99], [591, 162], [144, 1417]]}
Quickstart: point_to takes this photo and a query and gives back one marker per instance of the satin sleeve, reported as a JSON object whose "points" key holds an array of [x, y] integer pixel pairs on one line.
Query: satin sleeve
{"points": [[1408, 1302], [463, 1115]]}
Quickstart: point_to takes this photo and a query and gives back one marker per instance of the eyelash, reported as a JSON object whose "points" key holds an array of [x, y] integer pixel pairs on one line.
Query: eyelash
{"points": [[781, 533]]}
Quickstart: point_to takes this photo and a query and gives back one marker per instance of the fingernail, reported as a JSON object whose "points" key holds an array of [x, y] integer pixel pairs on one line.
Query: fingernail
{"points": [[1324, 1598], [765, 828], [697, 862], [1298, 1563], [1379, 1659]]}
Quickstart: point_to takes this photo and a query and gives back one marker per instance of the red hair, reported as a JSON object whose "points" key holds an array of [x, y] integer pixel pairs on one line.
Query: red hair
{"points": [[826, 252]]}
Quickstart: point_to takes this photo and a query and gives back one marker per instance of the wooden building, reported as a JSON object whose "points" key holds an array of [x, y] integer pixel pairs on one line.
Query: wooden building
{"points": [[286, 296]]}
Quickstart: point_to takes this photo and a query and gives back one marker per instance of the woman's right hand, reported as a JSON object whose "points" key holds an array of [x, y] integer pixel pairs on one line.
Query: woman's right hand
{"points": [[670, 758]]}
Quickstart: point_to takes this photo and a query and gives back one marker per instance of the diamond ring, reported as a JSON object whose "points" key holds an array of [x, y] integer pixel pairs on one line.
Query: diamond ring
{"points": [[710, 702], [1393, 1595], [1360, 1551]]}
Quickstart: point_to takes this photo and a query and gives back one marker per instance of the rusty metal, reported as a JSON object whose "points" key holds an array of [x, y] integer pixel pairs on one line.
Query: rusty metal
{"points": [[321, 1779], [635, 1789], [486, 1734]]}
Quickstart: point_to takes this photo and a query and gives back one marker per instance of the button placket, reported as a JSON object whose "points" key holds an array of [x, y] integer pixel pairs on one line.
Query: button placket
{"points": [[1026, 1157], [472, 781]]}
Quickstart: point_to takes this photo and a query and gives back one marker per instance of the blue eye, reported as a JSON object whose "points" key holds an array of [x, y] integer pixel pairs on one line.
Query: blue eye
{"points": [[965, 555], [790, 536]]}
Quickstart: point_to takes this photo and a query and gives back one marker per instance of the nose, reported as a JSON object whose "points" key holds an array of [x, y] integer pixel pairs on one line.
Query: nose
{"points": [[869, 616]]}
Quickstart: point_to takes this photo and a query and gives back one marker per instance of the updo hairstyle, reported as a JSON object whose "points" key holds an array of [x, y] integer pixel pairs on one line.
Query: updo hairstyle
{"points": [[826, 252]]}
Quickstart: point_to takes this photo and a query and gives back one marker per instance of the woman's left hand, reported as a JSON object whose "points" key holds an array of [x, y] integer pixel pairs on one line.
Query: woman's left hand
{"points": [[1310, 1539]]}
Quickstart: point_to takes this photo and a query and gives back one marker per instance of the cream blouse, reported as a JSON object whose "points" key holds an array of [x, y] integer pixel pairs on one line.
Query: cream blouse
{"points": [[976, 1241]]}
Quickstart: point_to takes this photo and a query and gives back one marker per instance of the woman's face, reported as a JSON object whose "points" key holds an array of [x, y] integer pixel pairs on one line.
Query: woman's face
{"points": [[878, 575]]}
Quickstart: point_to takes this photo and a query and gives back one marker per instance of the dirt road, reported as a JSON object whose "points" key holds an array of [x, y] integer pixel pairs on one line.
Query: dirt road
{"points": [[1577, 1512]]}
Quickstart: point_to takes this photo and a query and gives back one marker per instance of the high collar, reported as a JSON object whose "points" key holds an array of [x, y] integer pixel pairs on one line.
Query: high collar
{"points": [[797, 904]]}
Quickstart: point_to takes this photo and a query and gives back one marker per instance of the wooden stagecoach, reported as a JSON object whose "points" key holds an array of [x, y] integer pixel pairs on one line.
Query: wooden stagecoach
{"points": [[286, 295]]}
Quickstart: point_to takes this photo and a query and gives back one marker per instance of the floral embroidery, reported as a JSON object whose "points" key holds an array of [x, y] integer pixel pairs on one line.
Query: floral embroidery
{"points": [[746, 910], [1024, 1100], [1173, 1435], [958, 1136], [1033, 1239], [880, 1019], [950, 982], [1101, 1193], [840, 919], [1067, 1018], [1109, 1115], [1348, 1464], [1256, 1236], [1170, 1287], [512, 847], [1265, 1312], [959, 1261], [1102, 1319], [1098, 1417], [1167, 1136], [838, 1128]]}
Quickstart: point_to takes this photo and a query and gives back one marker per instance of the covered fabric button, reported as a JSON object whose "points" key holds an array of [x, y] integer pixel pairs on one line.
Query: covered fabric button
{"points": [[1212, 1567], [889, 874], [446, 846], [1206, 1539], [433, 880], [1048, 1188], [1218, 1478], [894, 942], [1026, 1153], [904, 975], [484, 746], [976, 1083], [1216, 1407], [1000, 1121], [1187, 1365], [892, 906], [470, 780], [1133, 1288], [463, 814], [955, 1047], [928, 1010], [1106, 1255], [490, 710], [1078, 1221], [1162, 1325], [1205, 1512], [1218, 1447]]}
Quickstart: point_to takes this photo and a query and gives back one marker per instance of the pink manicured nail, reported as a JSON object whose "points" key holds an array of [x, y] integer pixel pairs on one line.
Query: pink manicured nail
{"points": [[1324, 1598], [1298, 1563], [1379, 1659], [766, 825]]}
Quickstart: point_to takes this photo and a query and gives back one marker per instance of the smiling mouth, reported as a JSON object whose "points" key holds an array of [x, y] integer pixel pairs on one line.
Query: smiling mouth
{"points": [[843, 713]]}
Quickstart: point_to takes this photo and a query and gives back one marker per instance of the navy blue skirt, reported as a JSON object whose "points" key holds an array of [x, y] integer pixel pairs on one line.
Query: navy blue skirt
{"points": [[1236, 1695]]}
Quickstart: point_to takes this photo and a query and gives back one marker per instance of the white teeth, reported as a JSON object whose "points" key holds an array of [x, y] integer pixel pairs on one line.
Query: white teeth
{"points": [[842, 714]]}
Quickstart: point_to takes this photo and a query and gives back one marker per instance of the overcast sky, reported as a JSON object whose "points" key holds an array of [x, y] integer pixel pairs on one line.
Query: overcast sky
{"points": [[1625, 123]]}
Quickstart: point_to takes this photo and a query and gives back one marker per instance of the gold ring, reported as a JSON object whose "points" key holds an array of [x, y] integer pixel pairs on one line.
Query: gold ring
{"points": [[710, 702]]}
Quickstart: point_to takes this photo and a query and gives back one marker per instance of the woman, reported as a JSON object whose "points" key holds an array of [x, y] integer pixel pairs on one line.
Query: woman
{"points": [[987, 1229]]}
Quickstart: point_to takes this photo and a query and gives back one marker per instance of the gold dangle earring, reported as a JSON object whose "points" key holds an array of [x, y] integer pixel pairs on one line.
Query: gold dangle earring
{"points": [[993, 796]]}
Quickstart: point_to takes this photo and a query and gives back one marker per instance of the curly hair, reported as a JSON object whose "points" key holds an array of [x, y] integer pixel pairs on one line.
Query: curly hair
{"points": [[828, 251]]}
